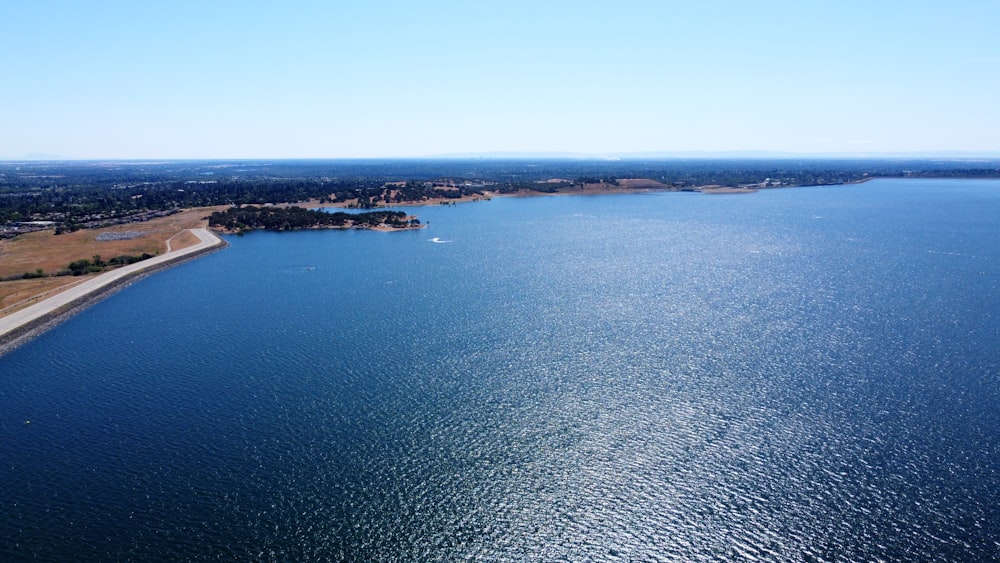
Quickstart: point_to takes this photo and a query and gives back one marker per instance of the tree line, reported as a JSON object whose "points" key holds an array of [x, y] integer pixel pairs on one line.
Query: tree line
{"points": [[250, 217], [85, 194]]}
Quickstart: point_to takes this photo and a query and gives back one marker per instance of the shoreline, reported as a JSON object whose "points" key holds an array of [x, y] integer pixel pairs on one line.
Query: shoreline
{"points": [[22, 326], [376, 228]]}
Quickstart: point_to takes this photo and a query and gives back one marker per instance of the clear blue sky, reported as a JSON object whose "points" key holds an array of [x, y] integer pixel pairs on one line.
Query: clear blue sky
{"points": [[329, 79]]}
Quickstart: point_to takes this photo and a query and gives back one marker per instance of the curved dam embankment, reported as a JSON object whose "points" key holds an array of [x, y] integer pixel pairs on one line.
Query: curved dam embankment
{"points": [[21, 326]]}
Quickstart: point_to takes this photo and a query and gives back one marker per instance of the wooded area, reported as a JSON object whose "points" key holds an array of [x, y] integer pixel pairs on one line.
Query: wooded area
{"points": [[82, 194]]}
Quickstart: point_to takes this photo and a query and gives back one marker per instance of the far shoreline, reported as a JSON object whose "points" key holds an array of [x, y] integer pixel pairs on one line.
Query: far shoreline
{"points": [[487, 195], [16, 333]]}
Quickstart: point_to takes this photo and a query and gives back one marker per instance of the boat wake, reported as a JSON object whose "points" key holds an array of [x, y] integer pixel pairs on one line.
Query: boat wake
{"points": [[439, 241], [951, 253]]}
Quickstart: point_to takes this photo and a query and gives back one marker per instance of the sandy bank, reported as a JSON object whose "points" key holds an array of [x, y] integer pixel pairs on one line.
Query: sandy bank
{"points": [[21, 326]]}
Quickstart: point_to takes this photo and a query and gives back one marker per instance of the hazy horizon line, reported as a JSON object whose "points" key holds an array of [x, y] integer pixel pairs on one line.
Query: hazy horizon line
{"points": [[550, 155]]}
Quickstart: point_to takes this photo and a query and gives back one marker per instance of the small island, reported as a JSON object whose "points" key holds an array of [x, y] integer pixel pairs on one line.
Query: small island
{"points": [[241, 219]]}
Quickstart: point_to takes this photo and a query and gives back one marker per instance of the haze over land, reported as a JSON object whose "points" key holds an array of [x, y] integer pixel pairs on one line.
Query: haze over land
{"points": [[122, 80]]}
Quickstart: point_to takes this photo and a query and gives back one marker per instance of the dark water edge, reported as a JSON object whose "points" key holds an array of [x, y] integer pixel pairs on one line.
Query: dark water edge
{"points": [[806, 374]]}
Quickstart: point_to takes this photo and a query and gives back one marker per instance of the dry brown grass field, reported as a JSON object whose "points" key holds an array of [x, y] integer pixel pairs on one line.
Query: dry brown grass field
{"points": [[52, 253]]}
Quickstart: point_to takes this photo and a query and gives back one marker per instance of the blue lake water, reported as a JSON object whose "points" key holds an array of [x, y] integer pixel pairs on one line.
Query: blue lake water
{"points": [[798, 374]]}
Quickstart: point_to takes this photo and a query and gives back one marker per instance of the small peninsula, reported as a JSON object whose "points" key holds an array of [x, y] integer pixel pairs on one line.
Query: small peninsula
{"points": [[241, 219]]}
